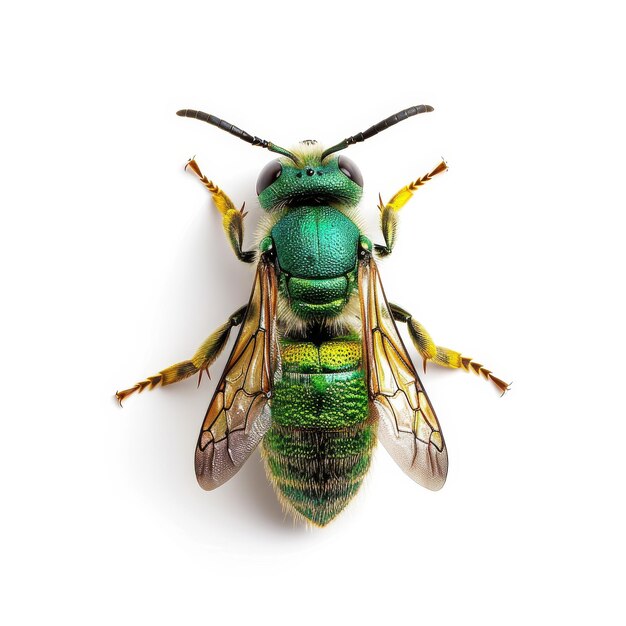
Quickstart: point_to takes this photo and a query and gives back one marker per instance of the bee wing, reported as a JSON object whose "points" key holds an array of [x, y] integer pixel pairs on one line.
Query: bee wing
{"points": [[239, 413], [407, 424]]}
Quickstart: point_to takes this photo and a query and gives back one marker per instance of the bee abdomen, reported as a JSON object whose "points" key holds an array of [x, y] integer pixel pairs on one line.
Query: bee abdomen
{"points": [[319, 445]]}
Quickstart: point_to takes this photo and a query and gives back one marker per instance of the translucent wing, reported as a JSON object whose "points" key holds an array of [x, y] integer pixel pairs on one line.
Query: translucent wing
{"points": [[239, 413], [407, 425]]}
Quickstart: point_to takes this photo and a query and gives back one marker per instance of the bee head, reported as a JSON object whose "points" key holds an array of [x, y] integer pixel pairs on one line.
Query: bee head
{"points": [[310, 179]]}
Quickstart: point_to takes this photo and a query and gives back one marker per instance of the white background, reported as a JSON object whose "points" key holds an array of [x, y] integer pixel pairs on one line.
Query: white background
{"points": [[115, 266]]}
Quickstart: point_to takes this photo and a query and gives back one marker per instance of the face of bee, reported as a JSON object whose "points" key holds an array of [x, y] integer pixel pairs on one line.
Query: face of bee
{"points": [[283, 184]]}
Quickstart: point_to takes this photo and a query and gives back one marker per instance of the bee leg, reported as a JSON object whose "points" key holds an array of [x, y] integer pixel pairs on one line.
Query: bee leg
{"points": [[419, 335], [442, 356], [388, 212], [232, 218], [199, 362]]}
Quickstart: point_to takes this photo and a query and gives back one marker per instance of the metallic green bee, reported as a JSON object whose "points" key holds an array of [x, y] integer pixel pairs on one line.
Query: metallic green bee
{"points": [[318, 372]]}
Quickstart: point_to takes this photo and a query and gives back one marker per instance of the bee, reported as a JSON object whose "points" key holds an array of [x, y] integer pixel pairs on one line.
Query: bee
{"points": [[319, 372]]}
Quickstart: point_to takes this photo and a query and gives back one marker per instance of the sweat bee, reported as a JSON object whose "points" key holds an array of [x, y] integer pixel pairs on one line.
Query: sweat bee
{"points": [[318, 372]]}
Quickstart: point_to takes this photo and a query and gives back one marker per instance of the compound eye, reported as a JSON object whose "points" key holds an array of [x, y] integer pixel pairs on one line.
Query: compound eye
{"points": [[350, 169], [268, 175]]}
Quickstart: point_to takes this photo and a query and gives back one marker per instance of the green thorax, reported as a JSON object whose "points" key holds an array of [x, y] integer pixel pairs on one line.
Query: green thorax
{"points": [[316, 248]]}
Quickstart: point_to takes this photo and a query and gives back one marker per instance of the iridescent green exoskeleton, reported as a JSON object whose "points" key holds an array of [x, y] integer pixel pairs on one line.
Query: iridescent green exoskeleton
{"points": [[318, 372]]}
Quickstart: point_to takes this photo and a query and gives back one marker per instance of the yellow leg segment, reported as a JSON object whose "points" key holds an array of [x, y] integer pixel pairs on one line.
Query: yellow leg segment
{"points": [[204, 357], [232, 218], [388, 212], [444, 357], [450, 358]]}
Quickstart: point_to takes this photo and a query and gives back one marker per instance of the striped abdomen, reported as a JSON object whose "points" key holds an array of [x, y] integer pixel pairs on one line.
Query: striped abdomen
{"points": [[318, 449]]}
